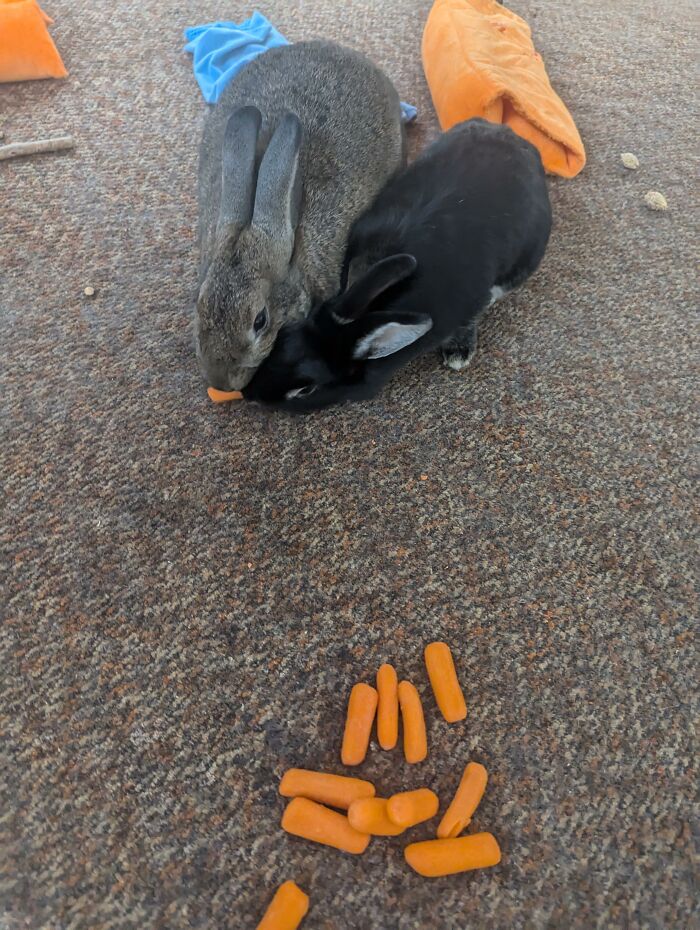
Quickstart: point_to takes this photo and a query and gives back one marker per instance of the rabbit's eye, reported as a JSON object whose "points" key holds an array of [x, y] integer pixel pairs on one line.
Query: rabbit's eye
{"points": [[260, 321], [303, 391]]}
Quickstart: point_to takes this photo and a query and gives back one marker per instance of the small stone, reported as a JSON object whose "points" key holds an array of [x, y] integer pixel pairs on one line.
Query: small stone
{"points": [[89, 292], [629, 161], [655, 201]]}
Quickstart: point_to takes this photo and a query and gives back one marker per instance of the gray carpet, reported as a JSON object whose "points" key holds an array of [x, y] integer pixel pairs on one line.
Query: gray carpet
{"points": [[190, 591]]}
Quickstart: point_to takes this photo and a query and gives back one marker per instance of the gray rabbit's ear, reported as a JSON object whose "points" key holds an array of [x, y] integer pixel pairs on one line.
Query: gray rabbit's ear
{"points": [[389, 333], [238, 171], [279, 190]]}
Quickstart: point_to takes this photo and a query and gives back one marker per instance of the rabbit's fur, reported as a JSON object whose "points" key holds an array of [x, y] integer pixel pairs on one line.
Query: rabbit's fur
{"points": [[320, 126], [468, 221]]}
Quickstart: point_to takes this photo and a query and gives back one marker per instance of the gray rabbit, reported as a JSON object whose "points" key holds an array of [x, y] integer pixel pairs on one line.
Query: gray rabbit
{"points": [[299, 144]]}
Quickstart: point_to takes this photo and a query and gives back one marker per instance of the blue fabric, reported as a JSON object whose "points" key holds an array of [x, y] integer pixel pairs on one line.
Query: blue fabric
{"points": [[221, 49]]}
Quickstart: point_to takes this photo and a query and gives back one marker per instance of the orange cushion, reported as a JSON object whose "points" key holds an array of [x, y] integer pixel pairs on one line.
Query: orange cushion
{"points": [[479, 60], [27, 51]]}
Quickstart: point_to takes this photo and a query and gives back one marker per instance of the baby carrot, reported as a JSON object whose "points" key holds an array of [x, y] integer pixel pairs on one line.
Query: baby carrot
{"points": [[335, 790], [368, 815], [221, 397], [447, 857], [408, 808], [466, 800], [443, 679], [315, 822], [415, 743], [358, 724], [286, 910], [388, 707]]}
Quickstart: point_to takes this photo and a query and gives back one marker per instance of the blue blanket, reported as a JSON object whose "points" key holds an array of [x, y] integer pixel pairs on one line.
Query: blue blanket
{"points": [[221, 49]]}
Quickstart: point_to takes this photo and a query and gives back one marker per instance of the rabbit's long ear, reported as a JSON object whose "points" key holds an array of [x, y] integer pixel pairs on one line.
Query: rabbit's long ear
{"points": [[238, 171], [279, 190], [389, 333], [384, 274]]}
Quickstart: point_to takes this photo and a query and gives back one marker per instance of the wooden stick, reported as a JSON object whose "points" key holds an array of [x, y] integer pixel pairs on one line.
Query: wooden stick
{"points": [[16, 149]]}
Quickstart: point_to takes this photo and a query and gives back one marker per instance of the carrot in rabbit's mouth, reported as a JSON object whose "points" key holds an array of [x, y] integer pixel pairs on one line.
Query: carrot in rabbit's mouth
{"points": [[221, 397]]}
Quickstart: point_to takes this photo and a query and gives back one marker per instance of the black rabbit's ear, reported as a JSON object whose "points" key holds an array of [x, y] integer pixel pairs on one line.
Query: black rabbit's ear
{"points": [[238, 171], [384, 274], [279, 192], [388, 333]]}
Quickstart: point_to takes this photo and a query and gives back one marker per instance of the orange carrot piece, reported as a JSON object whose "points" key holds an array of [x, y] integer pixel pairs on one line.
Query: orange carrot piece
{"points": [[444, 682], [222, 397], [368, 815], [286, 910], [408, 808], [447, 857], [315, 822], [358, 724], [388, 707], [334, 790], [466, 800], [415, 742]]}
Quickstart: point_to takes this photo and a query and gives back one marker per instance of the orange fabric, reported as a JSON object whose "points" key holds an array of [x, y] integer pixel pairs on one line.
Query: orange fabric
{"points": [[27, 51], [479, 60]]}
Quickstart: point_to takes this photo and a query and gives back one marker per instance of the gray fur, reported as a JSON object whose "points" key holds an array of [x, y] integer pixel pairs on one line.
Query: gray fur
{"points": [[351, 143], [238, 171], [278, 193]]}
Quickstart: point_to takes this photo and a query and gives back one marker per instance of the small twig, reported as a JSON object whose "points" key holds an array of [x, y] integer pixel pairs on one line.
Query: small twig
{"points": [[33, 148]]}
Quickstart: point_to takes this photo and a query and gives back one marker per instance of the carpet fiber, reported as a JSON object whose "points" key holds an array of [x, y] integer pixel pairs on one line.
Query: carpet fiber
{"points": [[191, 590]]}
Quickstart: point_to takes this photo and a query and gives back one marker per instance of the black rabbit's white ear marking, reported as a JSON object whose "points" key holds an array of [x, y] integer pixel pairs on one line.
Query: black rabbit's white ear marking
{"points": [[388, 338], [341, 320], [304, 391], [238, 170]]}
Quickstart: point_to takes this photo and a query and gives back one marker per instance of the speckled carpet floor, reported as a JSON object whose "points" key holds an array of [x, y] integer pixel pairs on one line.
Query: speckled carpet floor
{"points": [[189, 591]]}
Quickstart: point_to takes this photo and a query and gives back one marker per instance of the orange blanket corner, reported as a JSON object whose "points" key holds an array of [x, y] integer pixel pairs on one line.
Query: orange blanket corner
{"points": [[479, 60], [27, 51]]}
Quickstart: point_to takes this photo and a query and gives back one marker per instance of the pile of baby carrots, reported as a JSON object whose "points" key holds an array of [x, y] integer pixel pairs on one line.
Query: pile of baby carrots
{"points": [[310, 812]]}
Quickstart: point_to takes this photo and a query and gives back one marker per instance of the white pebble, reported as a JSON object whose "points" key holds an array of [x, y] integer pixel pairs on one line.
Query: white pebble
{"points": [[629, 161], [89, 292], [655, 201]]}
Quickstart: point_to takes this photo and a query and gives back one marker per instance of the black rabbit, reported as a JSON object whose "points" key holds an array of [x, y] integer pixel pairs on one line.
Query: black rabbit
{"points": [[467, 222]]}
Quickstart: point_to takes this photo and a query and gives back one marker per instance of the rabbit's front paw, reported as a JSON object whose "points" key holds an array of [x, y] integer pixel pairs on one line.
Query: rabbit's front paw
{"points": [[457, 359], [459, 350]]}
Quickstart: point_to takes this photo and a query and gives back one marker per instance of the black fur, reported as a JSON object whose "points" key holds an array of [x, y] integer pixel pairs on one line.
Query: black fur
{"points": [[471, 213]]}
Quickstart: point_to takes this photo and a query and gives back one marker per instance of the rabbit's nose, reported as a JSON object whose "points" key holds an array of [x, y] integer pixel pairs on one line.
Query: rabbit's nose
{"points": [[216, 375], [240, 376], [220, 384]]}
